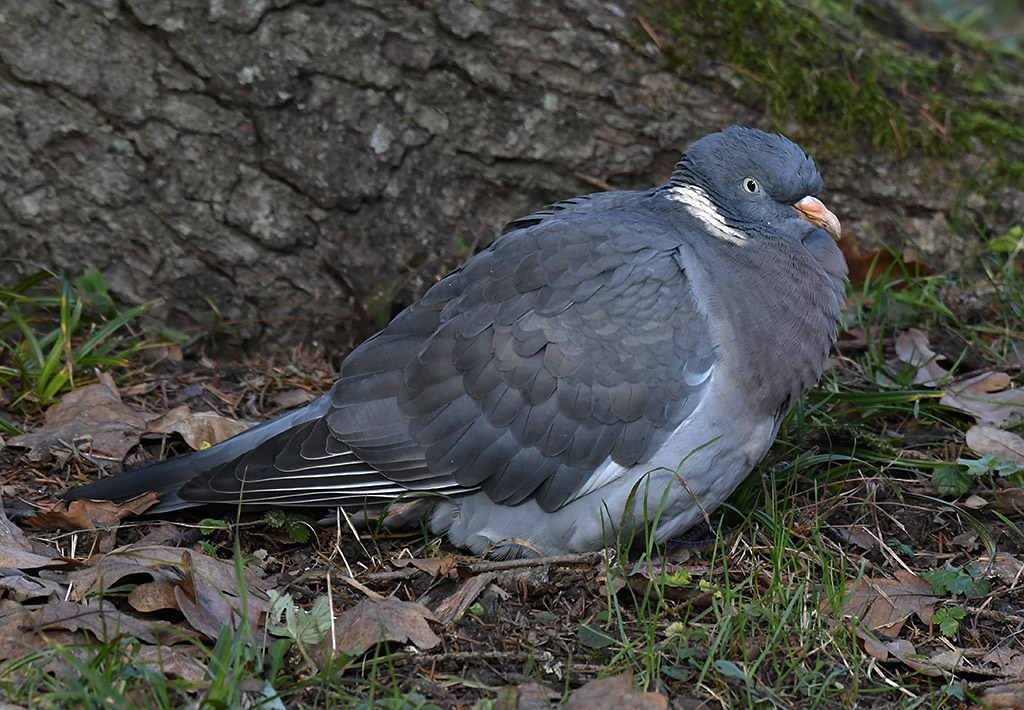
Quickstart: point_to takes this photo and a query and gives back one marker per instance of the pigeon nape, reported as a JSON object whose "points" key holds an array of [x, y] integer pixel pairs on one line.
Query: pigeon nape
{"points": [[611, 362]]}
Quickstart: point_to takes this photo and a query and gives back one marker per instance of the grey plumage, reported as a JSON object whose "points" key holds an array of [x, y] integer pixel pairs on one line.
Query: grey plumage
{"points": [[602, 342]]}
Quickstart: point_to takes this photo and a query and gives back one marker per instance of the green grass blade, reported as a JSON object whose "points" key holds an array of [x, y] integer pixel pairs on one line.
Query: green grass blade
{"points": [[109, 329], [30, 341]]}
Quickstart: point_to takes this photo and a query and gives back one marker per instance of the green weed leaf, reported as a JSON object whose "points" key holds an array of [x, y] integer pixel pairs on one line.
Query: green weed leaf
{"points": [[956, 581], [952, 480], [948, 620], [594, 637]]}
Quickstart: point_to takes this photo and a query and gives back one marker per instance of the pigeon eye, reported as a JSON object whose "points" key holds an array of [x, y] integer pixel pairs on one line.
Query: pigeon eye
{"points": [[751, 185]]}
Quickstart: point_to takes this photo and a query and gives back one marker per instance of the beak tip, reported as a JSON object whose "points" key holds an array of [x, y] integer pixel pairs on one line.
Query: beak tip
{"points": [[814, 211]]}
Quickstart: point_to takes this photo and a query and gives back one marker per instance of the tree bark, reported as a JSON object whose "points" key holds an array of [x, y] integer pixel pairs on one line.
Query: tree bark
{"points": [[291, 172]]}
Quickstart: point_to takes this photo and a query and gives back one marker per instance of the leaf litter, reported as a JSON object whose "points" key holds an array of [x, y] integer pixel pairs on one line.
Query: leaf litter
{"points": [[343, 598]]}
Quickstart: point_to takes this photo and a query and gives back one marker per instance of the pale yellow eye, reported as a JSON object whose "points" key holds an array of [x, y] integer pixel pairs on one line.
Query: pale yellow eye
{"points": [[751, 185]]}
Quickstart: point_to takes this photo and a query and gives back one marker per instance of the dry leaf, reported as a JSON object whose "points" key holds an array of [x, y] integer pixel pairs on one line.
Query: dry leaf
{"points": [[884, 604], [434, 566], [532, 696], [210, 608], [899, 649], [1004, 697], [181, 661], [974, 502], [21, 560], [370, 622], [11, 536], [90, 514], [912, 348], [95, 412], [1007, 568], [153, 596], [984, 396], [615, 693], [1006, 660], [289, 399], [876, 263], [1009, 501], [103, 517], [858, 535], [1002, 444], [17, 552], [97, 616], [159, 563], [199, 430], [203, 588], [23, 588], [882, 650]]}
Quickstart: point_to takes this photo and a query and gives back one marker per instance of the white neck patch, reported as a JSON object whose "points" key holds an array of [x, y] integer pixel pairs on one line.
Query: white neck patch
{"points": [[697, 203]]}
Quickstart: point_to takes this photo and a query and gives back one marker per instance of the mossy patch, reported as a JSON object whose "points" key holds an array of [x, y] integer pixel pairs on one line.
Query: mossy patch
{"points": [[857, 74]]}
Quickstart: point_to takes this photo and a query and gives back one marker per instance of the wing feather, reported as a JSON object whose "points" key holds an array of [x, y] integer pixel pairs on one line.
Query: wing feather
{"points": [[573, 340]]}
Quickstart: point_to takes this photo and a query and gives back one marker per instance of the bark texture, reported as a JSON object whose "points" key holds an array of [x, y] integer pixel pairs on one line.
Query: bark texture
{"points": [[296, 171]]}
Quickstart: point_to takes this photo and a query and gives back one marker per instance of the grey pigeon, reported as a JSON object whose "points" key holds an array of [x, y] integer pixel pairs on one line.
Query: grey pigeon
{"points": [[612, 361]]}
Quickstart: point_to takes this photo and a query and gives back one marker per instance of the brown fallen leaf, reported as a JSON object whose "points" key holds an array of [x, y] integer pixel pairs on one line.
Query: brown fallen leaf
{"points": [[882, 650], [199, 430], [97, 616], [90, 514], [101, 517], [204, 589], [18, 553], [1008, 662], [913, 348], [181, 661], [434, 566], [1009, 501], [11, 536], [24, 561], [615, 693], [532, 696], [158, 562], [209, 609], [986, 396], [23, 588], [153, 596], [1007, 568], [1004, 697], [370, 622], [858, 535], [899, 650], [991, 441], [289, 399], [885, 604], [95, 412], [876, 263]]}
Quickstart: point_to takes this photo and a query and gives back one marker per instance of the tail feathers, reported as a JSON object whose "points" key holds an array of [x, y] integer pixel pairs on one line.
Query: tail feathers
{"points": [[167, 477]]}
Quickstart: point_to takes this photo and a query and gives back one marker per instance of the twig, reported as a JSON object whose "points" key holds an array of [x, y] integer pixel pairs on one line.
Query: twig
{"points": [[585, 558], [594, 182]]}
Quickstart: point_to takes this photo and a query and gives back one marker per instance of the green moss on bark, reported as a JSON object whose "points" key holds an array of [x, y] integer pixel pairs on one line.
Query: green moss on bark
{"points": [[855, 73]]}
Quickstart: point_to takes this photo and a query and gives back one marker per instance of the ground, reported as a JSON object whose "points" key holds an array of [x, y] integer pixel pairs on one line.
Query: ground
{"points": [[873, 560]]}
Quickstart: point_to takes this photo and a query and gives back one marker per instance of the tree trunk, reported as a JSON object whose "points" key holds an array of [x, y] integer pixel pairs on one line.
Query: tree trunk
{"points": [[293, 172]]}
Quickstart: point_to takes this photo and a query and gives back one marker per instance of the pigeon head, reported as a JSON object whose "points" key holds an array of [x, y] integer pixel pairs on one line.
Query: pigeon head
{"points": [[757, 182]]}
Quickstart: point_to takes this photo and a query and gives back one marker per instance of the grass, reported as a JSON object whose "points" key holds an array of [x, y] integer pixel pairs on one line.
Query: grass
{"points": [[54, 333]]}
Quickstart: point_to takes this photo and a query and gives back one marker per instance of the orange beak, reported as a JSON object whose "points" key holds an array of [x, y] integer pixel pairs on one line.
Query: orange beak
{"points": [[812, 209]]}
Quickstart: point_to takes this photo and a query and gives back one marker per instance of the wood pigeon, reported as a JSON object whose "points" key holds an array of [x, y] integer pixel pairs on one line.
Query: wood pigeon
{"points": [[611, 362]]}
